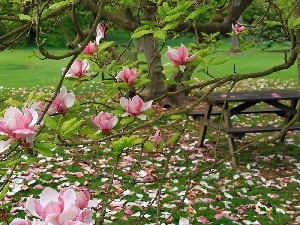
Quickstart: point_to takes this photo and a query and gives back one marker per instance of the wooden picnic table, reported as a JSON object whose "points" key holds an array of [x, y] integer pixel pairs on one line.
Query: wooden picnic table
{"points": [[245, 102]]}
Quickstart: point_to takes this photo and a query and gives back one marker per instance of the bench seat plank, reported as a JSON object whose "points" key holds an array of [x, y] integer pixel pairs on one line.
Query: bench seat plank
{"points": [[246, 111], [257, 129]]}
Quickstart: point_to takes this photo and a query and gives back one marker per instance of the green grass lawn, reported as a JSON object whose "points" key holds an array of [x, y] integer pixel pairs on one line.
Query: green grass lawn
{"points": [[193, 187], [253, 60], [20, 68]]}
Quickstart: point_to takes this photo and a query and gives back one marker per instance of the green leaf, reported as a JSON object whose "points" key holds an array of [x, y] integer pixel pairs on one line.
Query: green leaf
{"points": [[50, 122], [32, 160], [13, 102], [141, 82], [127, 120], [170, 82], [294, 22], [120, 144], [88, 131], [138, 141], [176, 117], [121, 85], [205, 63], [149, 112], [149, 146], [170, 25], [193, 15], [219, 62], [173, 139], [160, 35], [105, 45], [195, 62], [144, 27], [111, 65], [147, 23], [14, 162], [31, 96], [118, 112], [2, 173], [24, 17], [272, 23], [42, 137], [71, 126], [58, 5], [163, 9], [173, 17], [171, 71], [141, 33], [45, 13], [130, 140], [180, 8], [44, 148], [188, 82], [4, 191]]}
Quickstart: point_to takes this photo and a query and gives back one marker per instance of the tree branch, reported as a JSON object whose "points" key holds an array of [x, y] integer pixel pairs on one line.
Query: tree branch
{"points": [[110, 16]]}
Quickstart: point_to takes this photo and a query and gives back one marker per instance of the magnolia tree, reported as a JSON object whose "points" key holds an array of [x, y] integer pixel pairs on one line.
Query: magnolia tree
{"points": [[49, 120]]}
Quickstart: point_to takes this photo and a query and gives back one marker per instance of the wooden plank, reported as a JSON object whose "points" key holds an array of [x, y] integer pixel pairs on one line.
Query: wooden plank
{"points": [[269, 95], [246, 111], [257, 129]]}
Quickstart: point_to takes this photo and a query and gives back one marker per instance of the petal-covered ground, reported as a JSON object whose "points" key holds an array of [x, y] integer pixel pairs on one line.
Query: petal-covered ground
{"points": [[181, 183]]}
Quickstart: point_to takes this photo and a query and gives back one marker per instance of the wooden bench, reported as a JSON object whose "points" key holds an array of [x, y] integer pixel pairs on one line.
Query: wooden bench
{"points": [[239, 132], [279, 112], [280, 102]]}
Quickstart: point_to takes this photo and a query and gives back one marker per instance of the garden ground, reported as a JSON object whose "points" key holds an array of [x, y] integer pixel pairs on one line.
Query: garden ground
{"points": [[196, 185]]}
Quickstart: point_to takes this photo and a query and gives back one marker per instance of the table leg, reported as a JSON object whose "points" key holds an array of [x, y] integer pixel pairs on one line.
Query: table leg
{"points": [[288, 117], [231, 141], [203, 128]]}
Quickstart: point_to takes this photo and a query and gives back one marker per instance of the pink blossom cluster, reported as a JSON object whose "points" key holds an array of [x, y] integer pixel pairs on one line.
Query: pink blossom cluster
{"points": [[238, 28], [18, 125], [64, 208], [127, 75], [157, 138], [62, 102], [134, 107], [92, 46], [179, 57], [104, 121], [22, 124], [80, 68]]}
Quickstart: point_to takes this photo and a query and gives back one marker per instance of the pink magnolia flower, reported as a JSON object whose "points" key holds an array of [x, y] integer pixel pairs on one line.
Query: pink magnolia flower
{"points": [[127, 75], [18, 221], [219, 216], [135, 106], [238, 28], [18, 125], [90, 48], [100, 30], [79, 69], [157, 138], [179, 57], [184, 221], [104, 121], [66, 207], [202, 219], [62, 102]]}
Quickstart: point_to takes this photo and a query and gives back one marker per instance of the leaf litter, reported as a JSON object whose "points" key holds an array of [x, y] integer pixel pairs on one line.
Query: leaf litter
{"points": [[263, 189]]}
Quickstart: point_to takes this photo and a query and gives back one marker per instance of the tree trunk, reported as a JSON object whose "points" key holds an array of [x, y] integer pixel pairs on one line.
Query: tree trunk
{"points": [[157, 86]]}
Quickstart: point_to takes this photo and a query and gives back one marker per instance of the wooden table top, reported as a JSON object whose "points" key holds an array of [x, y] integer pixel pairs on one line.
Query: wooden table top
{"points": [[254, 96]]}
